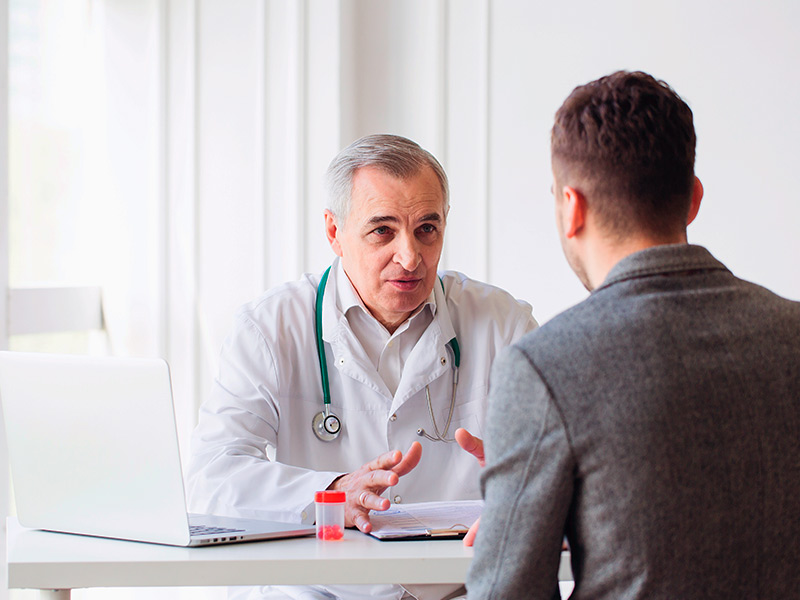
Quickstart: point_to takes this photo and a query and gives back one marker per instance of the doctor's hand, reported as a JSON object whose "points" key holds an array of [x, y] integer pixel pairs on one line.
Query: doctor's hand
{"points": [[469, 538], [365, 485], [471, 444]]}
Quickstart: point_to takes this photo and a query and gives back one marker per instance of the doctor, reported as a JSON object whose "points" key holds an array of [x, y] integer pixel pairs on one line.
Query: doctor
{"points": [[405, 351]]}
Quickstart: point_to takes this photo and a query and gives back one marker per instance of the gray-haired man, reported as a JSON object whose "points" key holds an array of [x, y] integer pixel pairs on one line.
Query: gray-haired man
{"points": [[269, 437]]}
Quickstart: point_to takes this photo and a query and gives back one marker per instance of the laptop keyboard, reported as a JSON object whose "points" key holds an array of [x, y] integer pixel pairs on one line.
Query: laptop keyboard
{"points": [[206, 530]]}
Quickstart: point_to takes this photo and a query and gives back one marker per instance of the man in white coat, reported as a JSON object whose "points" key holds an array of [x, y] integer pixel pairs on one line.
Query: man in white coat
{"points": [[271, 434]]}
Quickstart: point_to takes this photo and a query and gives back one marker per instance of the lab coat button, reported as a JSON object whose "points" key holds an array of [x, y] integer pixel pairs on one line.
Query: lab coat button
{"points": [[341, 361], [444, 361], [393, 418], [397, 499]]}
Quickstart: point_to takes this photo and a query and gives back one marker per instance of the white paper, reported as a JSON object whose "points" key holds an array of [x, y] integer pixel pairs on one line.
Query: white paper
{"points": [[425, 519]]}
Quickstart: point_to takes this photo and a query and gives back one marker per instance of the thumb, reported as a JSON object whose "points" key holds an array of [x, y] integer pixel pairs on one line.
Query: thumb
{"points": [[470, 443], [469, 539]]}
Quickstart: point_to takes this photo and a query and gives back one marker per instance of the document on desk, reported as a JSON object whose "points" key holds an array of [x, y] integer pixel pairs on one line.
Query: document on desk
{"points": [[425, 520]]}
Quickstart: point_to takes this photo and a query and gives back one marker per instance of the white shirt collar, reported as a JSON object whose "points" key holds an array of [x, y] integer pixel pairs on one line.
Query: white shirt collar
{"points": [[347, 297]]}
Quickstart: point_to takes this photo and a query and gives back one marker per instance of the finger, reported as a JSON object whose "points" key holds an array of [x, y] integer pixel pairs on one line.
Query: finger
{"points": [[410, 460], [378, 481], [469, 539], [361, 521], [370, 501], [471, 444], [373, 482], [385, 461]]}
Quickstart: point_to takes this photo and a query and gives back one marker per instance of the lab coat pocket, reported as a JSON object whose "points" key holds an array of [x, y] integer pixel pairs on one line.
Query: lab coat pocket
{"points": [[469, 412]]}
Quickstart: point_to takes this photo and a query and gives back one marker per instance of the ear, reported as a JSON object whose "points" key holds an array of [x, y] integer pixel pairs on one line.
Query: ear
{"points": [[332, 230], [573, 212], [697, 196]]}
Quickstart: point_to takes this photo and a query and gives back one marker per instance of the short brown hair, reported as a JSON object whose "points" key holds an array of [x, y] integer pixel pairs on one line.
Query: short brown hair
{"points": [[627, 141]]}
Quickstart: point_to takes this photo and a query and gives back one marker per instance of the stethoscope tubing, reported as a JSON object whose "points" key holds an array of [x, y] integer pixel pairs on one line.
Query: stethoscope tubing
{"points": [[327, 425], [323, 363]]}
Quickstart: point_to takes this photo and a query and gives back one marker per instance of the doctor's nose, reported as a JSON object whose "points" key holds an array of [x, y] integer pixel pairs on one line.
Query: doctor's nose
{"points": [[407, 253]]}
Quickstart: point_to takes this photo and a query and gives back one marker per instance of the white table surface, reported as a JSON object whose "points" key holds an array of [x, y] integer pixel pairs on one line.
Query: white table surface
{"points": [[44, 560]]}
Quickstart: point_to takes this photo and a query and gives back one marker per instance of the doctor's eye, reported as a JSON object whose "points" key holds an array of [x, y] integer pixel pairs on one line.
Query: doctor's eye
{"points": [[428, 228]]}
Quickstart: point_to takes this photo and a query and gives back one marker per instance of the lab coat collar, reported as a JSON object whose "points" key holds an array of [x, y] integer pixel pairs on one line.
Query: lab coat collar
{"points": [[346, 295], [331, 311], [428, 354], [349, 357], [442, 313]]}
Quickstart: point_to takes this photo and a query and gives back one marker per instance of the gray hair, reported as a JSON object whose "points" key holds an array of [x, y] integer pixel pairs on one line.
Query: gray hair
{"points": [[396, 155]]}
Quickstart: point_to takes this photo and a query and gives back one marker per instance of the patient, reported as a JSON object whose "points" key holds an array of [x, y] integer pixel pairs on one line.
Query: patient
{"points": [[657, 423]]}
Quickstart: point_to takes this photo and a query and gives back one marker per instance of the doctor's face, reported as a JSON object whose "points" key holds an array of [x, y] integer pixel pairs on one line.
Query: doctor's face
{"points": [[391, 241]]}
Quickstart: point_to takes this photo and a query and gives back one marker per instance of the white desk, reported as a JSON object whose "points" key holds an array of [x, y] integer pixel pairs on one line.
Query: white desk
{"points": [[56, 563]]}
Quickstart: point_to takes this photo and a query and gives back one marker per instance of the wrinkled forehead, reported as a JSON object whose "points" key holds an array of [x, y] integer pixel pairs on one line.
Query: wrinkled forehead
{"points": [[377, 190]]}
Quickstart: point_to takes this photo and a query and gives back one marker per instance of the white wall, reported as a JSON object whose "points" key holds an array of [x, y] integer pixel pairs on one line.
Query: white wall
{"points": [[282, 85], [220, 118], [224, 115], [733, 62]]}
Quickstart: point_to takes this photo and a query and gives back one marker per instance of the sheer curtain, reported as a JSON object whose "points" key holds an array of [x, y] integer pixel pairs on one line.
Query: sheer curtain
{"points": [[84, 164], [86, 196]]}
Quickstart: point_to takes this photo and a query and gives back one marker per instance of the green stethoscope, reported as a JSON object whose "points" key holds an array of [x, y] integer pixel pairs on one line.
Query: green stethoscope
{"points": [[327, 426]]}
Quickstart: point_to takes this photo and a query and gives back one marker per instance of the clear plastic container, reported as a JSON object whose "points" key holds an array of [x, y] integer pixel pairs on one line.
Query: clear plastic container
{"points": [[330, 515]]}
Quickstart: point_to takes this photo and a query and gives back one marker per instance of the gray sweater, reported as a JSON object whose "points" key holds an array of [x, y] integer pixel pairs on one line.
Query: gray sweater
{"points": [[657, 426]]}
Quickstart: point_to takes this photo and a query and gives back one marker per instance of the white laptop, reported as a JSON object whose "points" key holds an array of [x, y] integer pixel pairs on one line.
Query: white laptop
{"points": [[93, 448]]}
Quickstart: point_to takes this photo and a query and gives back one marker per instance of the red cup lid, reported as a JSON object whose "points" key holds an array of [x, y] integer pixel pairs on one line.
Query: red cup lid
{"points": [[329, 496]]}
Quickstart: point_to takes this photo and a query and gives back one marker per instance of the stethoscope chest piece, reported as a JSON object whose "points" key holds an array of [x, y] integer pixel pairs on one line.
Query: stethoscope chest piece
{"points": [[326, 425]]}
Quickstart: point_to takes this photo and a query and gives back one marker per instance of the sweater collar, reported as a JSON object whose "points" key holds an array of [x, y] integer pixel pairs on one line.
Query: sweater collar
{"points": [[662, 260]]}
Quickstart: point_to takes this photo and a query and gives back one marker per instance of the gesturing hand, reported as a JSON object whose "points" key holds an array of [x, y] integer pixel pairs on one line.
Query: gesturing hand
{"points": [[471, 444], [469, 538], [365, 485]]}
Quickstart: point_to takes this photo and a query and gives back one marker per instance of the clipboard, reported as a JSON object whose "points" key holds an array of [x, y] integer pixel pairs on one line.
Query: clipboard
{"points": [[448, 520]]}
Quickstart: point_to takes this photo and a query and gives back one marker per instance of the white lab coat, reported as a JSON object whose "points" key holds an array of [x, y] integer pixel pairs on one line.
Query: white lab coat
{"points": [[269, 388]]}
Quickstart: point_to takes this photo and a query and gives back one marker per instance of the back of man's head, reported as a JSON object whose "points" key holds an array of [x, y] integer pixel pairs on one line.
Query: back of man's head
{"points": [[627, 143]]}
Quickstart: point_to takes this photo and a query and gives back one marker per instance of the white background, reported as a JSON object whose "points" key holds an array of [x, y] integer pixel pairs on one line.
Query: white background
{"points": [[219, 118]]}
